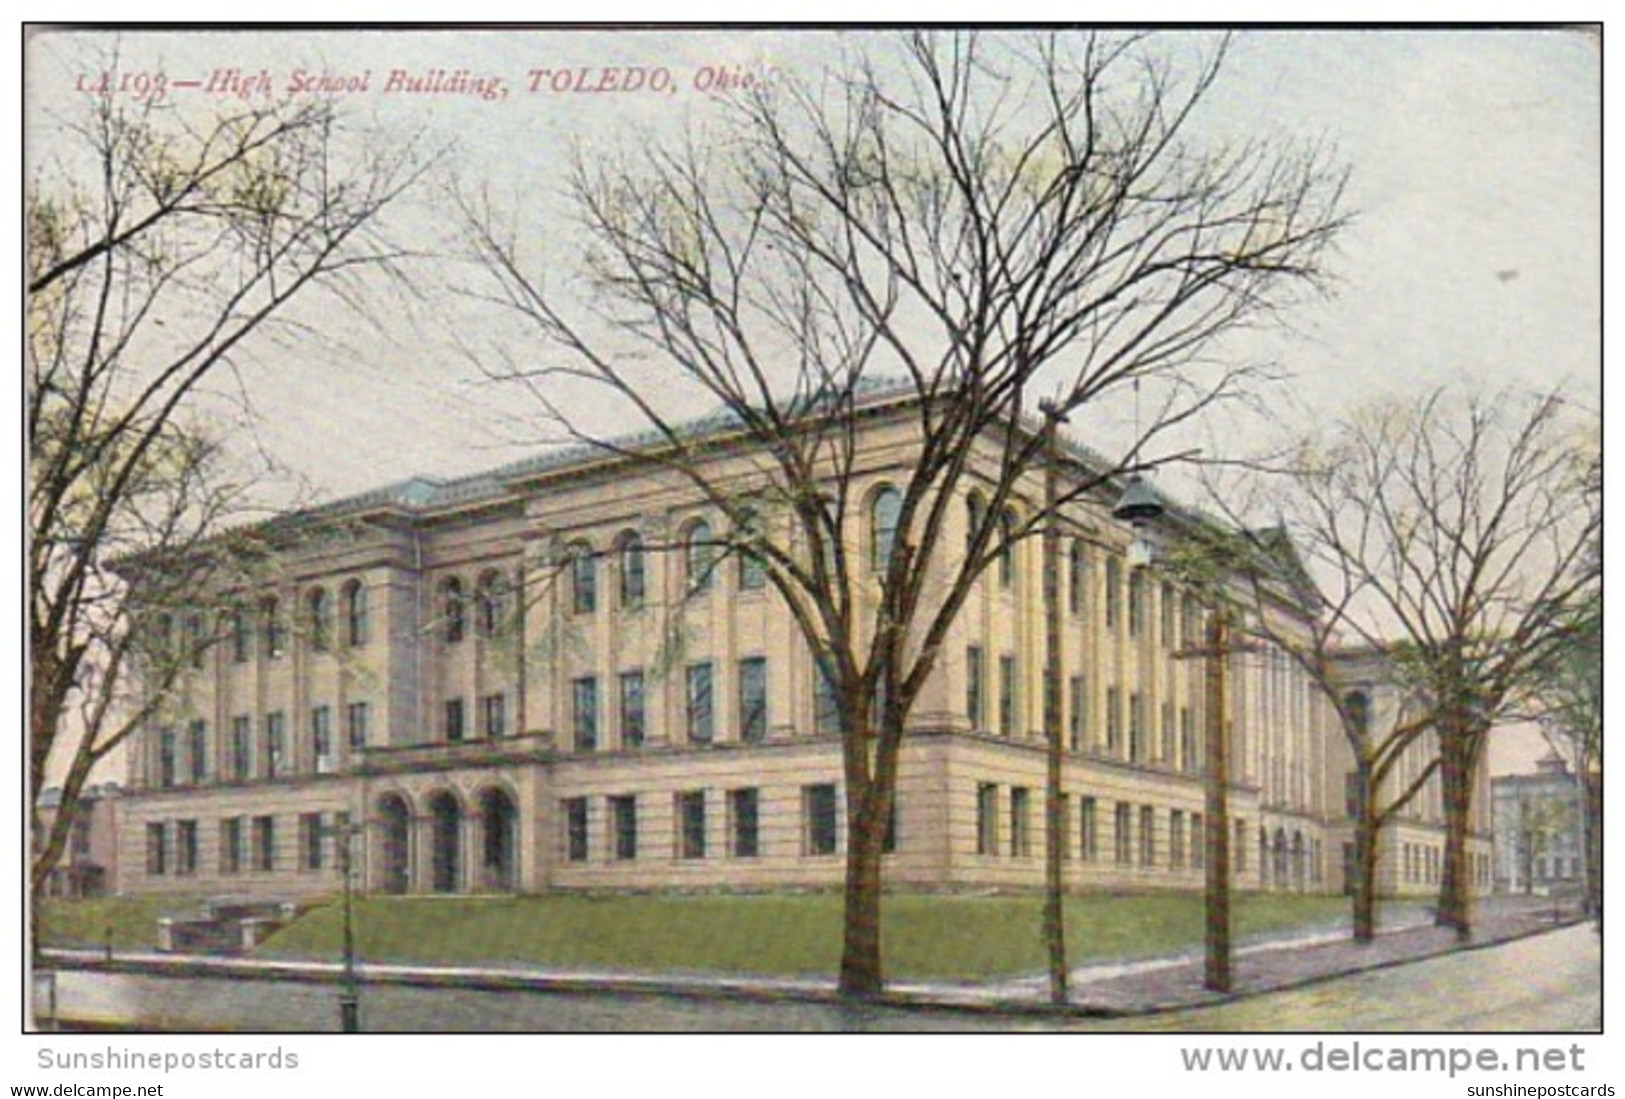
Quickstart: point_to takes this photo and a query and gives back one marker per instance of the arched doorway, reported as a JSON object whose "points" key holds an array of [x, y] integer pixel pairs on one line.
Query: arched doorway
{"points": [[1280, 870], [396, 817], [499, 841], [1300, 864], [446, 823]]}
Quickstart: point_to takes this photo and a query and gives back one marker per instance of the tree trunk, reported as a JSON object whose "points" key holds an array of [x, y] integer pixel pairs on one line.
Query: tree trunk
{"points": [[1455, 885], [1367, 833], [861, 974], [1591, 793]]}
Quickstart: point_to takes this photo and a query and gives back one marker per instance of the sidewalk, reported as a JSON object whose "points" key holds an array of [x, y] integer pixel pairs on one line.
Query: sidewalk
{"points": [[1119, 988]]}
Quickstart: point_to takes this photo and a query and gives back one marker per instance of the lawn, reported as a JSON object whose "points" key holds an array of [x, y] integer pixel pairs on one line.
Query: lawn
{"points": [[131, 921], [926, 936]]}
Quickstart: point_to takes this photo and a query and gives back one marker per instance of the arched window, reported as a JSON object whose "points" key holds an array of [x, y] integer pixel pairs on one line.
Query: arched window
{"points": [[583, 579], [453, 610], [276, 638], [700, 556], [752, 572], [321, 619], [493, 603], [1007, 550], [884, 511], [356, 624], [975, 515], [634, 579]]}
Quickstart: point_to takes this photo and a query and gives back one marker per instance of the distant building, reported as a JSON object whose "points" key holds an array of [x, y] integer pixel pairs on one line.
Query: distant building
{"points": [[1539, 838], [89, 863]]}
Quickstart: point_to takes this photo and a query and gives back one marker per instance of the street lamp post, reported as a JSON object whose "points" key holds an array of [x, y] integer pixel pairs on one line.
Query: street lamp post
{"points": [[349, 995]]}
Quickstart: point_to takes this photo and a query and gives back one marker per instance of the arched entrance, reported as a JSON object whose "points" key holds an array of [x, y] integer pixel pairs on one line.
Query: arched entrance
{"points": [[396, 818], [499, 841], [446, 823], [1280, 870], [1300, 863]]}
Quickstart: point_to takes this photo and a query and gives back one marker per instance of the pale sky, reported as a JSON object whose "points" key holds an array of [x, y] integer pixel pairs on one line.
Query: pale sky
{"points": [[1475, 252]]}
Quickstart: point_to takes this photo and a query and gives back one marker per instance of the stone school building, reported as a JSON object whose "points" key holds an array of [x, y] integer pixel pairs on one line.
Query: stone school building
{"points": [[544, 678]]}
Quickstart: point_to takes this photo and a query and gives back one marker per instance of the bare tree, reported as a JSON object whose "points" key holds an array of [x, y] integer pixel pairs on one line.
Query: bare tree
{"points": [[1461, 524], [983, 221], [159, 248]]}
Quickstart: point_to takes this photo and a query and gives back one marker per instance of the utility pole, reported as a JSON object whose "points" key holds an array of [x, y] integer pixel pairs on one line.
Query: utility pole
{"points": [[349, 995], [1054, 834], [1216, 973]]}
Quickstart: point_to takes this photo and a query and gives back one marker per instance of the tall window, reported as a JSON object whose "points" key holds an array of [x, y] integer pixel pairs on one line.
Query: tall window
{"points": [[975, 686], [276, 636], [358, 716], [987, 819], [623, 812], [231, 845], [1169, 751], [1114, 720], [701, 703], [242, 739], [1124, 846], [456, 722], [1021, 837], [1114, 591], [884, 511], [700, 556], [752, 571], [584, 694], [265, 844], [493, 603], [494, 716], [1198, 841], [197, 750], [356, 624], [1007, 548], [242, 638], [1008, 716], [1088, 830], [321, 736], [575, 829], [196, 644], [1076, 576], [1176, 839], [744, 811], [1169, 601], [321, 619], [1136, 727], [453, 611], [157, 848], [1136, 603], [753, 699], [275, 742], [583, 579], [1077, 715], [819, 815], [186, 847], [1148, 836], [691, 824], [826, 707], [1188, 759], [311, 841], [633, 570], [633, 717]]}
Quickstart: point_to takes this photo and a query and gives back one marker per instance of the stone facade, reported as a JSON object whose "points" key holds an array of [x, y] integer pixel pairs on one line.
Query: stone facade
{"points": [[537, 679]]}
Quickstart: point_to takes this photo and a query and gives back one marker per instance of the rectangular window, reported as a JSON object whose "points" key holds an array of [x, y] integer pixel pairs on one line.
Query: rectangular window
{"points": [[1124, 847], [242, 740], [1169, 758], [975, 687], [1114, 720], [623, 812], [157, 849], [455, 721], [310, 841], [634, 719], [1189, 760], [1074, 590], [357, 717], [274, 740], [1078, 726], [1007, 696], [197, 751], [265, 843], [819, 814], [1136, 727], [987, 818], [753, 699], [584, 581], [826, 707], [242, 644], [1168, 606], [1198, 841], [1114, 592], [186, 847], [231, 845], [321, 737], [494, 716], [584, 713], [701, 704], [1021, 839], [166, 757], [691, 824], [575, 829], [744, 817], [1088, 830], [1063, 820], [1176, 839]]}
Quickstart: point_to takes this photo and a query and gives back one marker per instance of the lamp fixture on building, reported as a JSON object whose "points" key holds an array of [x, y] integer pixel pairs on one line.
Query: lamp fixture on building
{"points": [[1139, 506]]}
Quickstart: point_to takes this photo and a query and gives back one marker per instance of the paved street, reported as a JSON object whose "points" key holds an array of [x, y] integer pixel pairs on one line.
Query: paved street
{"points": [[1546, 983]]}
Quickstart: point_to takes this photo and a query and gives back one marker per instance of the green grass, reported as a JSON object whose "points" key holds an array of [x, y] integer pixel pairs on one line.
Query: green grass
{"points": [[133, 921], [926, 936]]}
